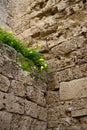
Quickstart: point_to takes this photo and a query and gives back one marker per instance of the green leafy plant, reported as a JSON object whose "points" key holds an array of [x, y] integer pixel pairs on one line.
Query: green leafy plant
{"points": [[29, 56]]}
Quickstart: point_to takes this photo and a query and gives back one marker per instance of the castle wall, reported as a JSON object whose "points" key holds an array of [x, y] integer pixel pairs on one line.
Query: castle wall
{"points": [[61, 27], [22, 98]]}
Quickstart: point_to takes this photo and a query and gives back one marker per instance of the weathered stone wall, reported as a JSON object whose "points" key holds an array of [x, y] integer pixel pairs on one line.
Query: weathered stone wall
{"points": [[61, 27], [5, 13], [22, 99]]}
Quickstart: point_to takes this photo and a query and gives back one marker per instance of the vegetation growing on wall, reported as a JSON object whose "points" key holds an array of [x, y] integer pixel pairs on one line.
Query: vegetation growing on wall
{"points": [[28, 57]]}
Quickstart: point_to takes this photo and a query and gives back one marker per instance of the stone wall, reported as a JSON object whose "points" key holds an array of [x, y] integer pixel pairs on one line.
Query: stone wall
{"points": [[61, 27], [22, 99], [67, 94], [5, 13]]}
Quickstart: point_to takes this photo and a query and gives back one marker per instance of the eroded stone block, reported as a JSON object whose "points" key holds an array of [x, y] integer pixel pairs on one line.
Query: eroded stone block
{"points": [[21, 122], [41, 98], [18, 88], [79, 112], [11, 103], [31, 109], [5, 120], [73, 89], [42, 113], [31, 93], [38, 125], [4, 83]]}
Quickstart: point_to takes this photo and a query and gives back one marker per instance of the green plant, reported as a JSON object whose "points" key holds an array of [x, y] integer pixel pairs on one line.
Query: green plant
{"points": [[29, 56]]}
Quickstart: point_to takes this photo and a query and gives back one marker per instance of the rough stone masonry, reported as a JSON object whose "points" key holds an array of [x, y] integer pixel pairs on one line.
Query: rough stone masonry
{"points": [[61, 27], [22, 99]]}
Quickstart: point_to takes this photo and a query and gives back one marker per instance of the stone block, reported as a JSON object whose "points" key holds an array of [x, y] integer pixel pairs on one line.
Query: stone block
{"points": [[38, 125], [41, 100], [64, 75], [53, 82], [52, 43], [9, 52], [53, 114], [24, 77], [31, 108], [42, 113], [59, 64], [18, 88], [63, 25], [2, 102], [5, 120], [64, 48], [52, 98], [73, 89], [31, 93], [14, 104], [78, 104], [80, 56], [11, 103], [4, 83], [79, 112], [53, 65], [72, 73], [9, 69], [21, 122], [53, 124]]}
